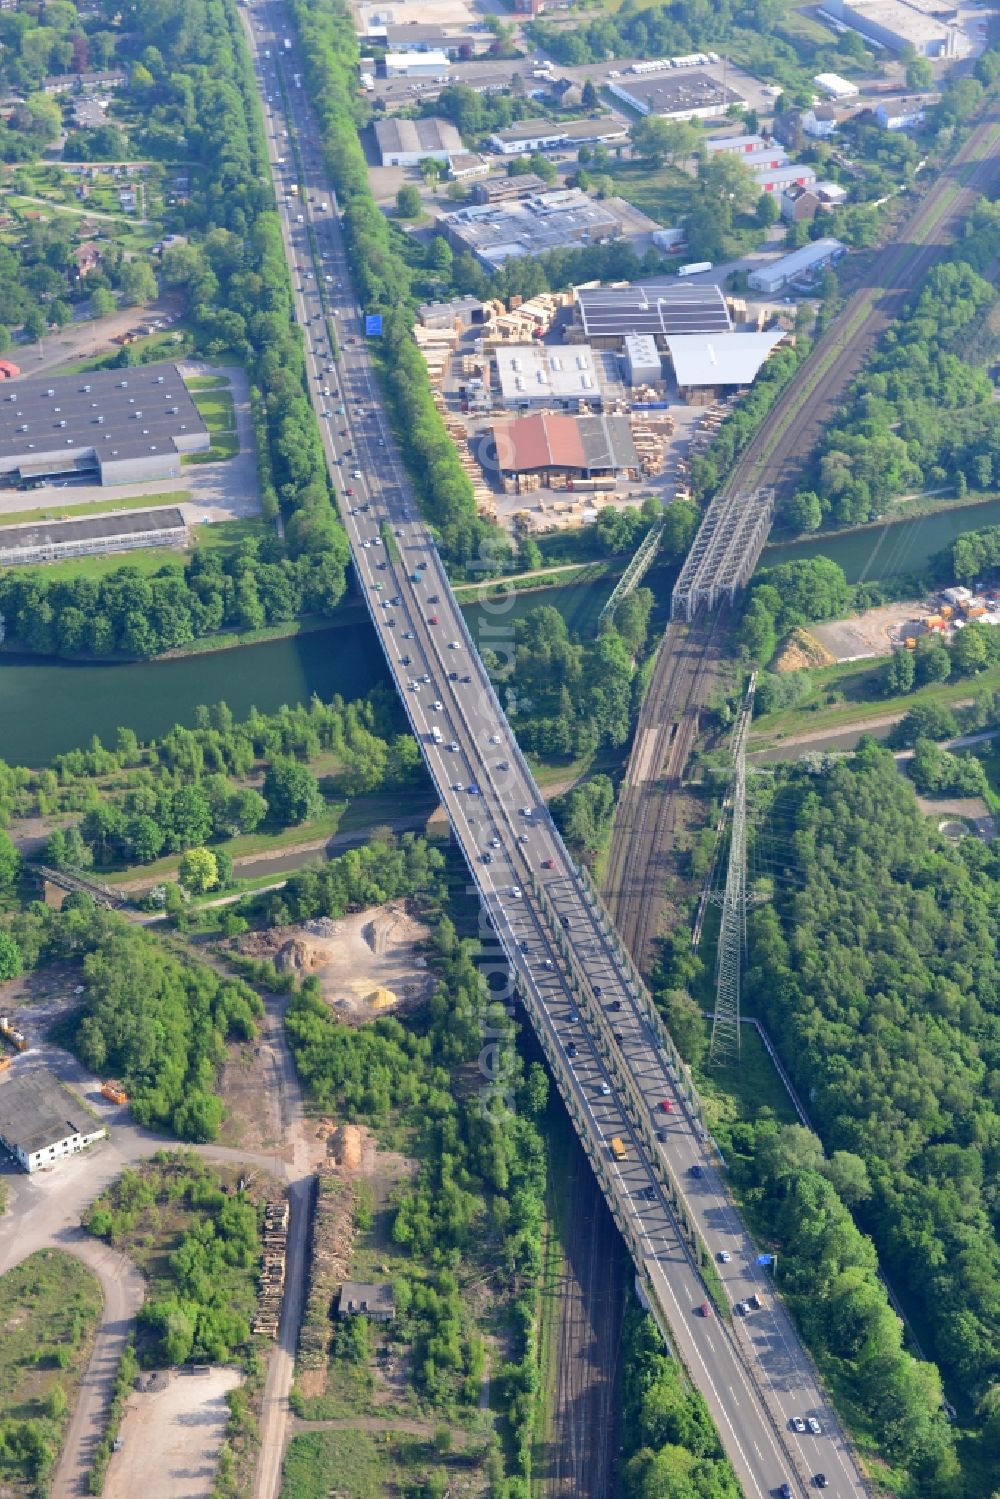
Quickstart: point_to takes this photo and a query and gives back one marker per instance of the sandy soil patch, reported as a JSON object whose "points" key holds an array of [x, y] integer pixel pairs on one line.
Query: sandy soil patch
{"points": [[368, 964], [171, 1437], [802, 649], [872, 633]]}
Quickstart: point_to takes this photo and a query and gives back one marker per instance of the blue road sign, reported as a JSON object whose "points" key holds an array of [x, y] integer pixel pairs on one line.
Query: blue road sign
{"points": [[765, 1259], [373, 324]]}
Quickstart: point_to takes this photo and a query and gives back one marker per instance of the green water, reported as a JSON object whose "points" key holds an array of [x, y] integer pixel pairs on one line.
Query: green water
{"points": [[885, 551], [48, 706]]}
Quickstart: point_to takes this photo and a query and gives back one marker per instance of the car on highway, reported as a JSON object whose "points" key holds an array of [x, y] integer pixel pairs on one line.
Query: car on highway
{"points": [[814, 1426], [704, 1310], [695, 1171], [436, 707], [494, 843], [487, 858], [785, 1492], [473, 789], [723, 1256], [548, 863], [797, 1424], [821, 1480], [456, 785], [515, 891], [350, 491], [454, 645], [665, 1106], [432, 619], [453, 746], [408, 635], [742, 1308]]}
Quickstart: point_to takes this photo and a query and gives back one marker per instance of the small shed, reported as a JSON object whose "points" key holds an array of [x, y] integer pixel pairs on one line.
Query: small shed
{"points": [[371, 1299]]}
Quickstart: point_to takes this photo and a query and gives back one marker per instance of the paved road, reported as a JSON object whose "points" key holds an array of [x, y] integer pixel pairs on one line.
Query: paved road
{"points": [[611, 1070]]}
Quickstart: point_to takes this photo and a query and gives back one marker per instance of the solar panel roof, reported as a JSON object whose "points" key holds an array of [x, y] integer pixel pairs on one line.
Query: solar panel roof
{"points": [[677, 307]]}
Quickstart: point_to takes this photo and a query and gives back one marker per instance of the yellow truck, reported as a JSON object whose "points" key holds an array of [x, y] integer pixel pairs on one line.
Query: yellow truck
{"points": [[618, 1149]]}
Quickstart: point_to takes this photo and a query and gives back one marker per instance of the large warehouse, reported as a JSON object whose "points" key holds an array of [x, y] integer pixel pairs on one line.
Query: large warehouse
{"points": [[123, 531], [677, 96], [404, 143], [557, 135], [720, 362], [495, 232], [924, 25], [805, 262], [581, 447], [39, 1121], [111, 426], [608, 314], [562, 375]]}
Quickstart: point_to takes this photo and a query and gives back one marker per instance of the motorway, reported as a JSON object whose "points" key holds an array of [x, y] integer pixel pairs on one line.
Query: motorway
{"points": [[592, 1017]]}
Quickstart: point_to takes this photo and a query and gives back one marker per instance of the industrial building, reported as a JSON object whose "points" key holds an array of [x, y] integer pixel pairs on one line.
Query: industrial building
{"points": [[414, 37], [553, 375], [720, 362], [897, 24], [643, 365], [495, 232], [776, 179], [458, 313], [463, 165], [835, 87], [372, 1299], [416, 64], [404, 143], [746, 145], [112, 426], [573, 447], [507, 189], [677, 96], [559, 135], [123, 531], [40, 1122], [608, 314], [804, 263]]}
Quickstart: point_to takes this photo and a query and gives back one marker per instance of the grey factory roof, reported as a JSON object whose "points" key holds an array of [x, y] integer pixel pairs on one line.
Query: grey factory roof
{"points": [[89, 528], [530, 226], [660, 309], [35, 1112], [603, 128], [125, 413], [676, 93], [416, 135]]}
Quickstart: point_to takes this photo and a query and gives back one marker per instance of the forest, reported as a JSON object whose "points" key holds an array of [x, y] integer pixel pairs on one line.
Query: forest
{"points": [[876, 967], [156, 1020]]}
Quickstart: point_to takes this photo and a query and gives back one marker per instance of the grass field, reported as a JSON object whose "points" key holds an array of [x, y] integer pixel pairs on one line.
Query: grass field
{"points": [[52, 1304], [207, 382], [147, 560], [219, 415], [94, 507], [349, 1463]]}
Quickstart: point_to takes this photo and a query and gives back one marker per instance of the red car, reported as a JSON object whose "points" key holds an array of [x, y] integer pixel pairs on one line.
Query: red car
{"points": [[666, 1107], [432, 619], [548, 863], [348, 490], [704, 1310]]}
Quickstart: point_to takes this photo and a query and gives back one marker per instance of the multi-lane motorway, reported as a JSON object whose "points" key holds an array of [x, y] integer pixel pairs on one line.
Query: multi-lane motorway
{"points": [[614, 1068]]}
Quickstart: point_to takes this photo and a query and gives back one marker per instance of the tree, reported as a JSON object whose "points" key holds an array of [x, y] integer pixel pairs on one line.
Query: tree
{"points": [[919, 73], [409, 204], [971, 649], [291, 792], [727, 179], [440, 257], [39, 117], [767, 211], [804, 510], [198, 870], [10, 861], [138, 284], [658, 140], [588, 96], [10, 958], [102, 302], [900, 673]]}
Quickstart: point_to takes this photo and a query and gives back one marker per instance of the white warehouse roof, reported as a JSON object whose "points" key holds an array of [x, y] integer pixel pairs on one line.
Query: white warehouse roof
{"points": [[721, 358], [835, 86], [772, 277], [547, 373]]}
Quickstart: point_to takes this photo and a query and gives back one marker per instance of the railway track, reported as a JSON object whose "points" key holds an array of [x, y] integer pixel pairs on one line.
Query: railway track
{"points": [[634, 887], [645, 822]]}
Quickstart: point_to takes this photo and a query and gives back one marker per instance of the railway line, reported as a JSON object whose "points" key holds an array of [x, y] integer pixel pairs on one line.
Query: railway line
{"points": [[645, 822], [687, 668]]}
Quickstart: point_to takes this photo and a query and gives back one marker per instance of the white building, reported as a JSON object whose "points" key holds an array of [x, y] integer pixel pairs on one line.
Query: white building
{"points": [[40, 1122], [642, 359], [897, 24], [404, 143], [551, 375], [813, 257], [835, 87], [900, 114], [556, 135], [745, 144], [774, 179], [820, 122], [416, 65], [720, 361]]}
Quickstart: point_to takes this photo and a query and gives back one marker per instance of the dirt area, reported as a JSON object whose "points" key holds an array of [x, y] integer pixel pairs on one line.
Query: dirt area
{"points": [[970, 812], [250, 1085], [368, 964], [802, 650], [36, 1001], [171, 1437], [872, 633]]}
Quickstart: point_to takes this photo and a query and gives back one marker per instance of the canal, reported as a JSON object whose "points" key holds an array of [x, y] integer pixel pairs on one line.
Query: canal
{"points": [[48, 706], [904, 546]]}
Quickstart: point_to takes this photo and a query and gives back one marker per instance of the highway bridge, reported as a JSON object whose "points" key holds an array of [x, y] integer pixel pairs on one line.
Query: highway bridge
{"points": [[615, 1067]]}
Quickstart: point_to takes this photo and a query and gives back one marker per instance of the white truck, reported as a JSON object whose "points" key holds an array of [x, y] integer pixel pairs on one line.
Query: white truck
{"points": [[287, 44]]}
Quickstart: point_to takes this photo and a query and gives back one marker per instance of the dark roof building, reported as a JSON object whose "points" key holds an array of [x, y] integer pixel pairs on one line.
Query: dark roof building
{"points": [[677, 96], [372, 1299], [608, 314], [123, 531], [582, 445], [121, 426], [40, 1121]]}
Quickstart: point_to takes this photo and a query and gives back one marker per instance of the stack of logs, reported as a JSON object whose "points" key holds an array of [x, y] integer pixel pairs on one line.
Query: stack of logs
{"points": [[272, 1270]]}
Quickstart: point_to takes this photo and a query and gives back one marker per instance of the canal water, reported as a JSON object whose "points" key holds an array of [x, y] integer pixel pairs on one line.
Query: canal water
{"points": [[48, 706], [904, 546]]}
